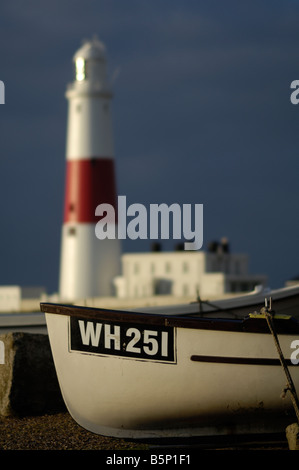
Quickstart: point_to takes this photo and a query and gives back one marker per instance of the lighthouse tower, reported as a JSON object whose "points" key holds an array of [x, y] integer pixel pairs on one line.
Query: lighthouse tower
{"points": [[88, 265]]}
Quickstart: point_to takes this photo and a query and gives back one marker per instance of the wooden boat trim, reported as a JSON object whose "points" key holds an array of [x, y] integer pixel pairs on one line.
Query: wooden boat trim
{"points": [[240, 360], [253, 325]]}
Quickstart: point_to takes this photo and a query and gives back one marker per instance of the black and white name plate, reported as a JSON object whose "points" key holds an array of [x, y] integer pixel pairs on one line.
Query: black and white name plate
{"points": [[144, 342]]}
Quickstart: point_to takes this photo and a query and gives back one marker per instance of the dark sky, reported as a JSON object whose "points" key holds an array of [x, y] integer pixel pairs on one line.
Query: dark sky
{"points": [[201, 114]]}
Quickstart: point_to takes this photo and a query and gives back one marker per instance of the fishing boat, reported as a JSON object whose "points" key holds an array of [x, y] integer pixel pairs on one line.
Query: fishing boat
{"points": [[141, 375]]}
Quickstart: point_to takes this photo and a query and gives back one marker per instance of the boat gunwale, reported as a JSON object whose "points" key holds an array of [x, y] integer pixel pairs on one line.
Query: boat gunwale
{"points": [[250, 325]]}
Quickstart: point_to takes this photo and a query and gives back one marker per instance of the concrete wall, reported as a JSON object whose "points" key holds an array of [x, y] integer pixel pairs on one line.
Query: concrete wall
{"points": [[28, 381]]}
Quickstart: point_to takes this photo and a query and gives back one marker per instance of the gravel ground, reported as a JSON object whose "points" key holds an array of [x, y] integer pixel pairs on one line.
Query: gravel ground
{"points": [[55, 432], [60, 432]]}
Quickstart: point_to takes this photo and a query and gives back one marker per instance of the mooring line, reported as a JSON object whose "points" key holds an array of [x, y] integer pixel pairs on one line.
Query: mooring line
{"points": [[290, 384]]}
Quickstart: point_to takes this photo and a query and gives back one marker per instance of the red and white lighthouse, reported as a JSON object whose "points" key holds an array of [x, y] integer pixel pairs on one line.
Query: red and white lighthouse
{"points": [[88, 265]]}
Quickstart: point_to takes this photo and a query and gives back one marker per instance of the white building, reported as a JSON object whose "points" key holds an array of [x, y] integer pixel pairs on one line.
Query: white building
{"points": [[13, 298], [185, 274]]}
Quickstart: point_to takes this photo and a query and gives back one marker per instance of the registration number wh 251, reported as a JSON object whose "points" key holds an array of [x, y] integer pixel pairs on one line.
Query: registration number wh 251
{"points": [[133, 341]]}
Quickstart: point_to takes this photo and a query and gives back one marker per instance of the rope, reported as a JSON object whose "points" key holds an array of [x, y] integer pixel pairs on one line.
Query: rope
{"points": [[290, 384]]}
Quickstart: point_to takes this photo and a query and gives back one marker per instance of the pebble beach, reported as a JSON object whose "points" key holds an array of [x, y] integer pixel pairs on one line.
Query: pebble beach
{"points": [[59, 431], [55, 432]]}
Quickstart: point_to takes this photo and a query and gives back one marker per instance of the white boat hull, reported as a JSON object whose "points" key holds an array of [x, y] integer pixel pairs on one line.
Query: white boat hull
{"points": [[208, 381]]}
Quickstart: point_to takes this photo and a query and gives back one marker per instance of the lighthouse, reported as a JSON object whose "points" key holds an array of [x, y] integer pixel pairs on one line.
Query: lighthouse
{"points": [[88, 265]]}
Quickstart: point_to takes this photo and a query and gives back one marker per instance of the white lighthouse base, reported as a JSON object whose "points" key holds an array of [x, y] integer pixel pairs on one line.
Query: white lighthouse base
{"points": [[88, 265]]}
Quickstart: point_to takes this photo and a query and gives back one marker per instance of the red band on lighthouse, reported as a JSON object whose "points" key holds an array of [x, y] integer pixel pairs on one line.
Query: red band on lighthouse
{"points": [[88, 184]]}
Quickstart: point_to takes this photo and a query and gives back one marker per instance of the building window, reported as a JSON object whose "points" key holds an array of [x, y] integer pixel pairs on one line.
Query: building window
{"points": [[233, 287], [244, 287], [215, 266], [136, 268], [167, 267], [185, 267], [80, 69]]}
